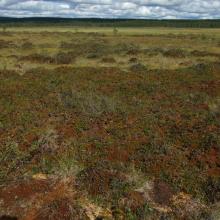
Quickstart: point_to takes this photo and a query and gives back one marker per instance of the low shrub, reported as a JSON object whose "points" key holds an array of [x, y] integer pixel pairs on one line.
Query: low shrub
{"points": [[108, 60], [175, 53], [138, 68], [153, 51], [64, 58], [133, 60], [89, 102], [27, 45], [38, 58], [6, 44], [198, 53], [130, 49]]}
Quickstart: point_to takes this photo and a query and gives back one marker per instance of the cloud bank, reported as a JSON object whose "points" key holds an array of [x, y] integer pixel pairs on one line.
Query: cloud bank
{"points": [[149, 9]]}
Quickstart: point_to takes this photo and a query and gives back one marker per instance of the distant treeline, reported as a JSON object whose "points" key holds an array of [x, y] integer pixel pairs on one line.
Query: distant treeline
{"points": [[96, 22]]}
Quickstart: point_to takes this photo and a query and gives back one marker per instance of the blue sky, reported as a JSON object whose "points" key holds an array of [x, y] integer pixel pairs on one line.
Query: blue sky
{"points": [[161, 9]]}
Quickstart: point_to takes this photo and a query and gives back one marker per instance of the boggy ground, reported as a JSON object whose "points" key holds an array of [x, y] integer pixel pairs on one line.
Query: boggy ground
{"points": [[104, 126]]}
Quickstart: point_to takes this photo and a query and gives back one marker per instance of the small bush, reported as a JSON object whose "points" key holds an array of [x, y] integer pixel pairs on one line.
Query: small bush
{"points": [[6, 44], [198, 53], [130, 49], [27, 45], [108, 60], [64, 58], [175, 53], [212, 189], [133, 60], [89, 103], [67, 45], [133, 52], [59, 58], [153, 51], [10, 156], [92, 56], [138, 68], [38, 58], [90, 47]]}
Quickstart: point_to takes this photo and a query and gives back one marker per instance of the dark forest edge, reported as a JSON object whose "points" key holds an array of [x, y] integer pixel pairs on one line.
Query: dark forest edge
{"points": [[98, 22]]}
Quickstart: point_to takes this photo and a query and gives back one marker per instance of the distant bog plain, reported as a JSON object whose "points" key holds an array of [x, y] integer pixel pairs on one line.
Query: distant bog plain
{"points": [[109, 123]]}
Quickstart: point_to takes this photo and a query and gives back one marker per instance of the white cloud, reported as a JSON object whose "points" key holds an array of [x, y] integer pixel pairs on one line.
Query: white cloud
{"points": [[112, 8]]}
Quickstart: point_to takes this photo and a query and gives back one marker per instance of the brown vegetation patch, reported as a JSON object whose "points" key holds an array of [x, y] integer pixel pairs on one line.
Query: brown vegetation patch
{"points": [[138, 68], [38, 58], [167, 52], [185, 207], [66, 130], [133, 200], [175, 53], [125, 48], [118, 154], [198, 53], [152, 51], [27, 45], [62, 208], [210, 158], [59, 58], [133, 60], [209, 67], [88, 47], [162, 192], [39, 198], [133, 52], [64, 58], [108, 60], [97, 181], [212, 189], [6, 44], [16, 197], [23, 190], [210, 87]]}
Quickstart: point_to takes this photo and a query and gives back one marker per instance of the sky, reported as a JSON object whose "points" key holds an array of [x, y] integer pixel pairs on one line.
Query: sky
{"points": [[149, 9]]}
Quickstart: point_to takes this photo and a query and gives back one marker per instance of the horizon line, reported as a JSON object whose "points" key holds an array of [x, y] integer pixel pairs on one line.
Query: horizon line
{"points": [[112, 18]]}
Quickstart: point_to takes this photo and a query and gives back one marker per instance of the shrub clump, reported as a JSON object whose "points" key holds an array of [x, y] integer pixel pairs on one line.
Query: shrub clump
{"points": [[89, 103], [64, 58], [27, 45], [108, 60], [198, 53], [172, 52], [175, 53], [153, 51], [99, 181], [130, 49], [6, 44], [138, 68], [59, 58], [133, 60], [87, 48], [38, 58]]}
